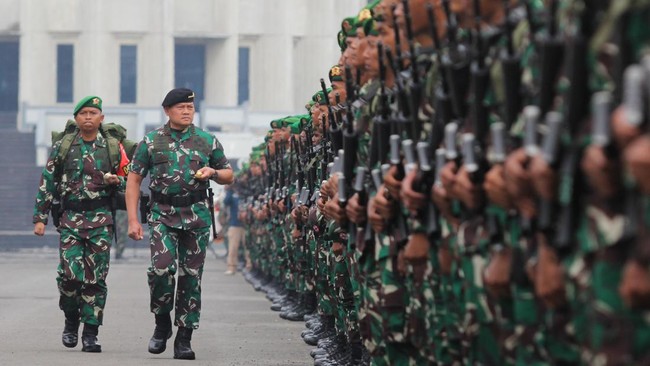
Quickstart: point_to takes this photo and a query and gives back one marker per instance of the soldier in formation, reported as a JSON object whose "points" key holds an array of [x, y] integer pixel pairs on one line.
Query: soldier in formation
{"points": [[471, 190]]}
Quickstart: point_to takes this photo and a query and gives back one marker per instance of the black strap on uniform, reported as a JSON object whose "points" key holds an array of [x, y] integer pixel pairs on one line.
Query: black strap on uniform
{"points": [[179, 201], [86, 205], [211, 204]]}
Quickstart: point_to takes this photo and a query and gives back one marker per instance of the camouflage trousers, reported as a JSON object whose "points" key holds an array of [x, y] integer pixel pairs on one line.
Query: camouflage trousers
{"points": [[188, 246], [610, 333], [370, 322], [393, 302], [326, 301], [479, 331], [84, 257], [341, 284], [309, 261]]}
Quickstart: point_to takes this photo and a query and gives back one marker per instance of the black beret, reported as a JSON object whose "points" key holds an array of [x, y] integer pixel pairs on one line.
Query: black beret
{"points": [[178, 95]]}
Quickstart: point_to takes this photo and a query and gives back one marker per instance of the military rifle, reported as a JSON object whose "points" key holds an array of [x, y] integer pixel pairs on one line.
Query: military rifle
{"points": [[480, 82], [443, 107], [510, 66], [455, 64], [577, 109], [551, 48]]}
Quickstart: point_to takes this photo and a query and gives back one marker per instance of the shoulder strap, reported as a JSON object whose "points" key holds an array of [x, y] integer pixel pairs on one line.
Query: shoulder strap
{"points": [[113, 146], [64, 148]]}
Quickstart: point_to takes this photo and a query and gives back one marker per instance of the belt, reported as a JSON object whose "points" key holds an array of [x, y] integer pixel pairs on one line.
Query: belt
{"points": [[86, 205], [179, 201]]}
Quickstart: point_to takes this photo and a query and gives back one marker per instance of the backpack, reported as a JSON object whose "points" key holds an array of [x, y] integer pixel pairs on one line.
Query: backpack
{"points": [[114, 134]]}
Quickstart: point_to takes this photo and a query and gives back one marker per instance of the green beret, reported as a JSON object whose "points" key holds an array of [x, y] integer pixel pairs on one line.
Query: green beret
{"points": [[295, 128], [340, 37], [370, 27], [178, 95], [255, 157], [349, 26], [89, 101], [309, 104], [276, 123], [336, 73], [320, 98]]}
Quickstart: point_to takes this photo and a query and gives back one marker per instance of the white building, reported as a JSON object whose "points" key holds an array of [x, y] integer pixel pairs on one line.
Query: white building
{"points": [[248, 60]]}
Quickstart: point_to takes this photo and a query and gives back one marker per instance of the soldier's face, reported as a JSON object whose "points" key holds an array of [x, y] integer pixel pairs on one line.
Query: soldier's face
{"points": [[464, 9], [350, 53], [371, 57], [337, 87], [88, 119], [317, 135], [315, 113], [278, 134], [361, 48], [180, 115], [387, 38], [385, 9], [419, 16], [285, 133]]}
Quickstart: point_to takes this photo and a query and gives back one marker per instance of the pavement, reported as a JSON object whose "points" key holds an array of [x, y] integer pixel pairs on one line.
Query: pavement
{"points": [[237, 327]]}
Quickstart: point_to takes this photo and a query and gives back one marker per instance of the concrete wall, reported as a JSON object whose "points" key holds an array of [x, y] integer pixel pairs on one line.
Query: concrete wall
{"points": [[292, 45], [293, 42]]}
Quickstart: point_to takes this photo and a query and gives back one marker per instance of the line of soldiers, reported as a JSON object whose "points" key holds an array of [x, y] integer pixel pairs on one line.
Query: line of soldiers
{"points": [[473, 189]]}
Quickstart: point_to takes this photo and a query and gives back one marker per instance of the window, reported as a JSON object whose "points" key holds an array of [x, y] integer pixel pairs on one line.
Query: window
{"points": [[9, 76], [190, 69], [242, 78], [128, 73], [64, 73]]}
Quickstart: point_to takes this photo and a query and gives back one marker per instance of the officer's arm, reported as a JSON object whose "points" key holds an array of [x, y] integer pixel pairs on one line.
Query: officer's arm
{"points": [[47, 188], [132, 195], [223, 172], [223, 176]]}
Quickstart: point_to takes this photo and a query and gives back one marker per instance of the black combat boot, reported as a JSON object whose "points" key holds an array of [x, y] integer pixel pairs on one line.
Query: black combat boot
{"points": [[182, 347], [356, 353], [162, 332], [89, 338], [70, 336]]}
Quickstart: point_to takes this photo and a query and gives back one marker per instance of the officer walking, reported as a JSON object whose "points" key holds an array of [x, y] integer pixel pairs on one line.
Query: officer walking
{"points": [[181, 159], [82, 179]]}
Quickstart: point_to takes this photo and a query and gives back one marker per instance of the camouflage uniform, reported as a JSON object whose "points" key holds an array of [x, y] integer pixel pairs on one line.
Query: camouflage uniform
{"points": [[182, 231], [86, 235]]}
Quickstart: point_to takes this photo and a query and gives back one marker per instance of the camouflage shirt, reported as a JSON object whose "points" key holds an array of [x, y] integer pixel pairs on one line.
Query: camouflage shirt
{"points": [[173, 157], [80, 176]]}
